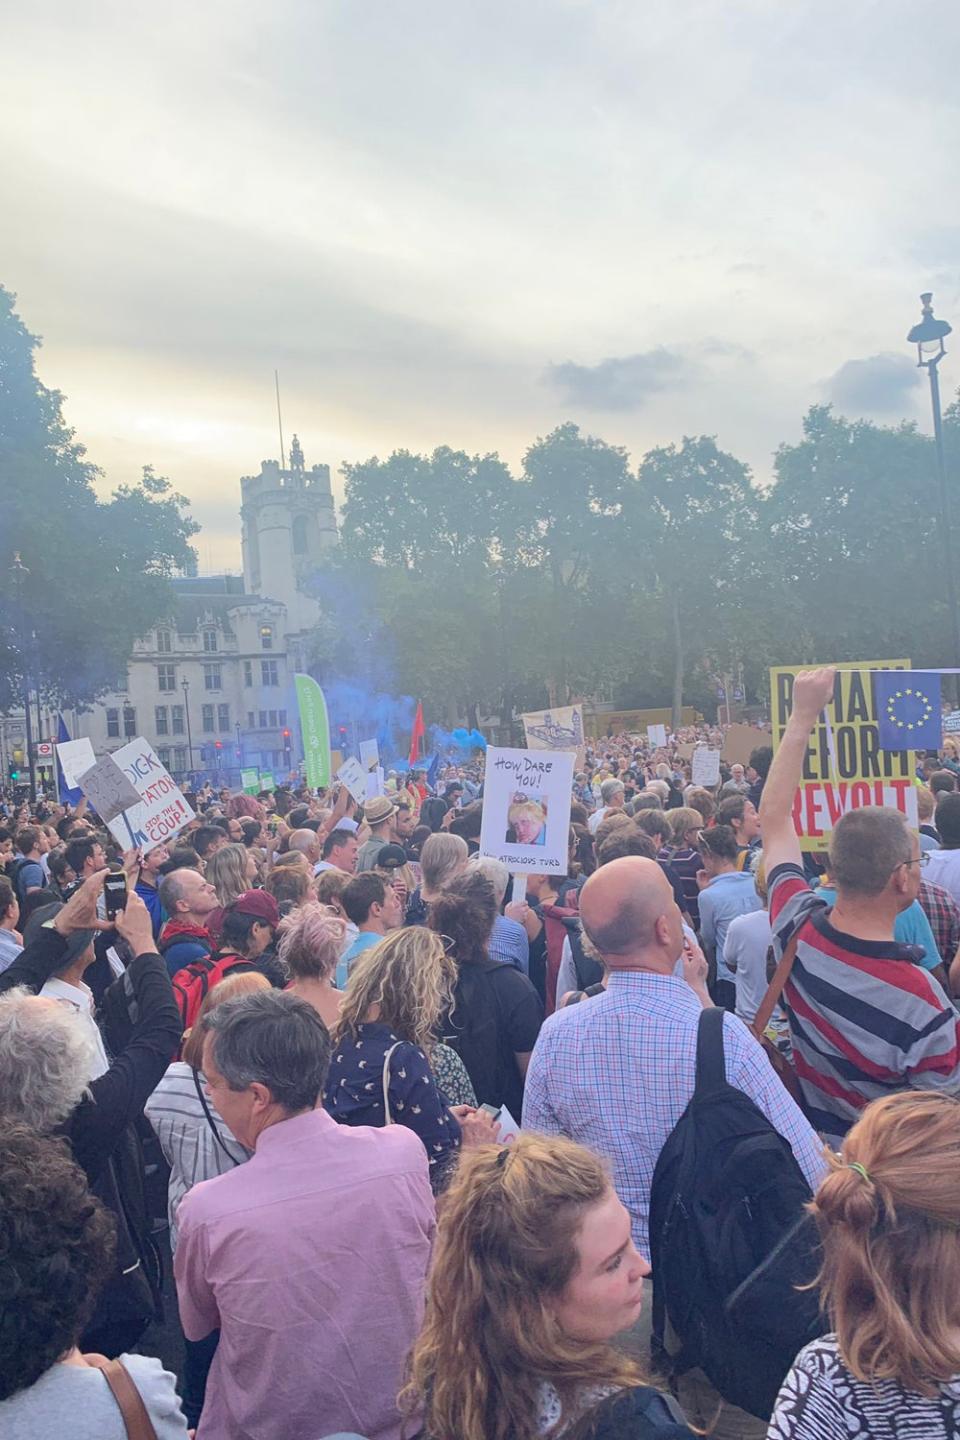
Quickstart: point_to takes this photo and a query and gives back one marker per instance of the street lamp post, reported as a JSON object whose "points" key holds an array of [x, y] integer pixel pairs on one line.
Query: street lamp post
{"points": [[185, 687], [239, 748], [18, 574], [928, 337]]}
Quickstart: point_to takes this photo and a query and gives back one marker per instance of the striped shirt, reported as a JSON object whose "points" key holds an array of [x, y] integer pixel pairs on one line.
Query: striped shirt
{"points": [[865, 1019], [617, 1072], [186, 1139], [822, 1400]]}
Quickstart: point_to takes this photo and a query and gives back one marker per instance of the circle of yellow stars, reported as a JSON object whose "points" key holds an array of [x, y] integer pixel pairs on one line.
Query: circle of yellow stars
{"points": [[902, 695]]}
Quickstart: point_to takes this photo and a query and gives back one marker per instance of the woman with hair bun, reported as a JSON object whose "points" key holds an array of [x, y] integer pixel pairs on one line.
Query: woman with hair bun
{"points": [[534, 1271], [889, 1219]]}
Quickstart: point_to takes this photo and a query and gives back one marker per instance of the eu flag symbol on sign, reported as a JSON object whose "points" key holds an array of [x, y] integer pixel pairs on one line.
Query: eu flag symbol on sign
{"points": [[908, 709]]}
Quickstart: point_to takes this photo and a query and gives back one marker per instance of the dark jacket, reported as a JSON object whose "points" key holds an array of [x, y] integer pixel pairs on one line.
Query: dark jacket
{"points": [[142, 1029]]}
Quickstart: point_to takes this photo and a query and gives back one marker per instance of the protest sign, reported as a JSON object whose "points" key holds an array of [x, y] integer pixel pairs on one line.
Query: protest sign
{"points": [[740, 741], [353, 775], [526, 809], [705, 767], [560, 729], [657, 736], [314, 728], [76, 757], [375, 783], [109, 790], [159, 811], [857, 772], [267, 781], [951, 723], [250, 780], [369, 754]]}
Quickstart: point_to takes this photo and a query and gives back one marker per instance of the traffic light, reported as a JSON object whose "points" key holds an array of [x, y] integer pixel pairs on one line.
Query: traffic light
{"points": [[218, 744], [286, 734], [14, 773]]}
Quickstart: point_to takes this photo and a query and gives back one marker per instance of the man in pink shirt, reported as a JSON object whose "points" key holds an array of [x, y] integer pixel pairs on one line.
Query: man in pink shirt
{"points": [[311, 1258]]}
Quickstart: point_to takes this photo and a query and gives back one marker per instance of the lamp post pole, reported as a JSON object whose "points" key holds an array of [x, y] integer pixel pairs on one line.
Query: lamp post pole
{"points": [[928, 337], [185, 687], [19, 573], [239, 749]]}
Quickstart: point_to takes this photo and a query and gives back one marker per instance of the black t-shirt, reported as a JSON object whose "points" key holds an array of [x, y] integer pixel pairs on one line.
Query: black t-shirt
{"points": [[496, 1015]]}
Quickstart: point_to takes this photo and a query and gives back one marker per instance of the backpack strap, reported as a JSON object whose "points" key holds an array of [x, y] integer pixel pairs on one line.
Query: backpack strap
{"points": [[711, 1062], [136, 1421], [775, 989]]}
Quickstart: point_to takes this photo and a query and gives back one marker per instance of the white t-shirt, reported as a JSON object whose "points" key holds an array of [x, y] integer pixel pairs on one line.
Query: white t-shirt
{"points": [[943, 868], [748, 939], [79, 999]]}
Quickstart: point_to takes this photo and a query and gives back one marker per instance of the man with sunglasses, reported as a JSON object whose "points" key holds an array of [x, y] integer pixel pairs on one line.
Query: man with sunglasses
{"points": [[865, 1017]]}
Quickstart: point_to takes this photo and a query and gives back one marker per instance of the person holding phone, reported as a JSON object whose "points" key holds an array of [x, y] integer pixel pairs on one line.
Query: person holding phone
{"points": [[46, 1083]]}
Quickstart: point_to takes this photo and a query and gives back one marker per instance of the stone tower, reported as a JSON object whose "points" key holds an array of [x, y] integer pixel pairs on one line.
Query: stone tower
{"points": [[289, 527]]}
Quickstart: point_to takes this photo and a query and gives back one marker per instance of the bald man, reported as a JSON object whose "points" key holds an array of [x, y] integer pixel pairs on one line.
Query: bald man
{"points": [[617, 1072]]}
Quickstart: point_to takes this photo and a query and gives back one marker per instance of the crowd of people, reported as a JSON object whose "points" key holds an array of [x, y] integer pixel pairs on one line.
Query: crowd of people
{"points": [[395, 1146]]}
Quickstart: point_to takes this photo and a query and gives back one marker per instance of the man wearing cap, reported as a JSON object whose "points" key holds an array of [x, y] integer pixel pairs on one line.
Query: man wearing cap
{"points": [[380, 815], [66, 986]]}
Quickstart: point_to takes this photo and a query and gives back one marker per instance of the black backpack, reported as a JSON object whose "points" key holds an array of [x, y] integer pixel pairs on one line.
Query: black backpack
{"points": [[731, 1241]]}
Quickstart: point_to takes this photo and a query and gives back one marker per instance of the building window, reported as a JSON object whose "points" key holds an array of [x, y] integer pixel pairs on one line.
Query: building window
{"points": [[263, 719], [163, 755], [251, 720], [223, 718], [206, 719], [210, 641], [113, 724], [180, 758], [248, 673], [266, 637], [273, 717], [299, 533], [282, 716], [268, 672], [129, 722], [160, 720], [167, 677], [164, 642], [212, 678], [176, 717]]}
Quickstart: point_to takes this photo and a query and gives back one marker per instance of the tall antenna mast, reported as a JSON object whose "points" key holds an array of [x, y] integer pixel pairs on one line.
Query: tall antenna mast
{"points": [[283, 458]]}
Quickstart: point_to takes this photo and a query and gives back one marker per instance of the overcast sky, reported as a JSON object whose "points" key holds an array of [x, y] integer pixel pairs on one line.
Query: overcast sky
{"points": [[452, 223]]}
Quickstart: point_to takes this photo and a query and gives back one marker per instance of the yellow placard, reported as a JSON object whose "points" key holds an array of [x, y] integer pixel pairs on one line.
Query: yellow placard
{"points": [[852, 771]]}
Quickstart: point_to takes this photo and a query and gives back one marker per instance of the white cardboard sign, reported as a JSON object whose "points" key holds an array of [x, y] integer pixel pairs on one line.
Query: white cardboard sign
{"points": [[369, 754], [705, 767], [526, 809], [657, 736], [75, 757], [353, 775], [160, 811], [108, 789]]}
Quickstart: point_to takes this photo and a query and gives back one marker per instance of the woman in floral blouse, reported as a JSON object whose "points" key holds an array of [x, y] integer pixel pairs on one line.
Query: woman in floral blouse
{"points": [[381, 1071]]}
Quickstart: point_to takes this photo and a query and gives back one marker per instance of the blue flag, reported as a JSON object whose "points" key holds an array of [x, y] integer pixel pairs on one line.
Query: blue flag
{"points": [[908, 709], [66, 795], [433, 771]]}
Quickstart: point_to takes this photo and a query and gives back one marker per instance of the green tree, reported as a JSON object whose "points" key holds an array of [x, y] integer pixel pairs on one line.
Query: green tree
{"points": [[853, 534], [97, 572], [694, 516]]}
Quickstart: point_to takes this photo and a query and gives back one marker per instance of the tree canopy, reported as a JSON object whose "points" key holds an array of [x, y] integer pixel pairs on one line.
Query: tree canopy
{"points": [[96, 571]]}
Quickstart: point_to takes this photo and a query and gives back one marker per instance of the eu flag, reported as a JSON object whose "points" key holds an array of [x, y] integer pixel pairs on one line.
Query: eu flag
{"points": [[908, 709]]}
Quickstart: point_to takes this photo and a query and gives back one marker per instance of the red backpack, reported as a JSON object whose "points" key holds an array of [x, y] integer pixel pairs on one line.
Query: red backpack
{"points": [[191, 984]]}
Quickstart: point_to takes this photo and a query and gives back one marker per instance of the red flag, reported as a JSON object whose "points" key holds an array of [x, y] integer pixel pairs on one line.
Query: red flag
{"points": [[418, 735]]}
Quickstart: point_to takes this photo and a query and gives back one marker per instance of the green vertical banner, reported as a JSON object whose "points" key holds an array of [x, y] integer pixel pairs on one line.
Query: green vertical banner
{"points": [[315, 729]]}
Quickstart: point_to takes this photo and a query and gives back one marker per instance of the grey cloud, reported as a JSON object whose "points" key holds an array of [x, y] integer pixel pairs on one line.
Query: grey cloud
{"points": [[622, 382], [878, 385]]}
